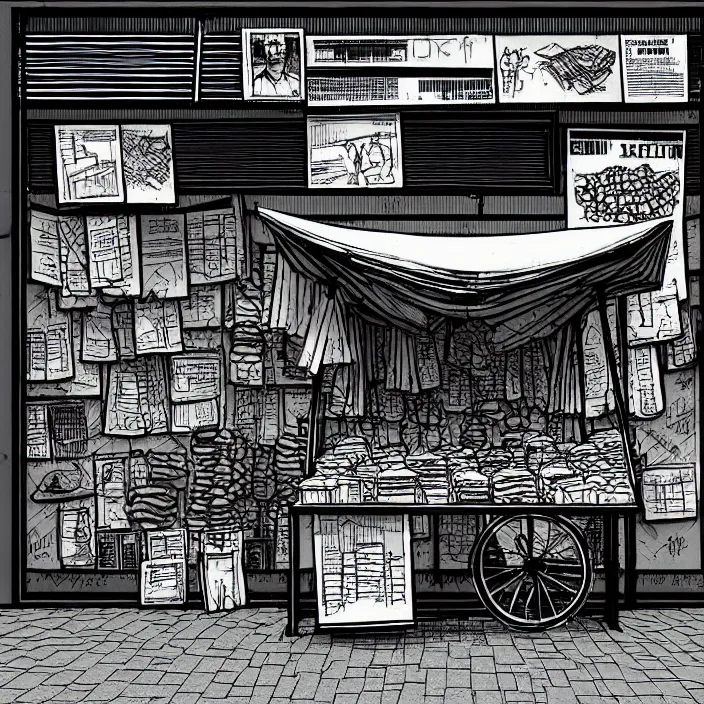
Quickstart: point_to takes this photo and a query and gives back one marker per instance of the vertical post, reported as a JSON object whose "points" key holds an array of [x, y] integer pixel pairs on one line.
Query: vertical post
{"points": [[629, 522], [198, 58], [621, 411], [611, 568], [294, 571], [313, 425]]}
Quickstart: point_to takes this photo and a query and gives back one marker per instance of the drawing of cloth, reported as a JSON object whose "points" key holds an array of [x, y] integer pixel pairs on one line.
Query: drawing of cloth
{"points": [[582, 68]]}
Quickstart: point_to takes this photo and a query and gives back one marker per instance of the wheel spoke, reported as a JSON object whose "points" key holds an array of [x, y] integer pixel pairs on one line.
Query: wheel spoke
{"points": [[530, 596], [547, 594], [536, 587], [515, 595], [558, 583], [506, 584], [560, 539], [502, 571]]}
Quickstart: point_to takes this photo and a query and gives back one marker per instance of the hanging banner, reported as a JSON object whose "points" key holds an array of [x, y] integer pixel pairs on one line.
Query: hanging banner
{"points": [[618, 178]]}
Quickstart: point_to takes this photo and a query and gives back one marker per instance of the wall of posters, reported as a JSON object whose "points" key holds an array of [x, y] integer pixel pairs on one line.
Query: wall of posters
{"points": [[558, 69]]}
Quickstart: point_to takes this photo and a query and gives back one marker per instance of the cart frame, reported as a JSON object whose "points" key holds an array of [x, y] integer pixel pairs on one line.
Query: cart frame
{"points": [[611, 515]]}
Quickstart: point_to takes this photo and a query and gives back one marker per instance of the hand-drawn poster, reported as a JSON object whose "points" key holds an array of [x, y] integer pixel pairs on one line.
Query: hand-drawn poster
{"points": [[670, 492], [163, 582], [195, 377], [111, 484], [654, 68], [354, 151], [89, 164], [38, 436], [163, 254], [137, 398], [77, 546], [213, 237], [671, 440], [646, 398], [222, 575], [113, 254], [273, 68], [558, 69], [471, 81], [157, 327], [363, 570], [44, 245], [617, 177], [49, 342], [148, 163], [203, 308]]}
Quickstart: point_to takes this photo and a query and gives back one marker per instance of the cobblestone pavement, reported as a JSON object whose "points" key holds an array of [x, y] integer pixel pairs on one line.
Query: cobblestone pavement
{"points": [[140, 657]]}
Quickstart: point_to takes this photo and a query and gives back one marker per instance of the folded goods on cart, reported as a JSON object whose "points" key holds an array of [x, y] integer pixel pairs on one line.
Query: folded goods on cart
{"points": [[469, 486], [399, 486], [494, 460], [594, 490], [514, 484], [432, 475], [603, 452], [318, 490], [354, 449]]}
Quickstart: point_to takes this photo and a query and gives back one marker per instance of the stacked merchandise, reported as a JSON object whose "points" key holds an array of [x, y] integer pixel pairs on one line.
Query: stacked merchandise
{"points": [[218, 478], [511, 480], [467, 483], [289, 462], [168, 469], [152, 507], [398, 484], [431, 469], [548, 464]]}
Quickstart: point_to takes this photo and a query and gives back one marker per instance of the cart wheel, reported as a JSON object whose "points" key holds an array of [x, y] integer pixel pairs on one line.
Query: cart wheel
{"points": [[532, 572]]}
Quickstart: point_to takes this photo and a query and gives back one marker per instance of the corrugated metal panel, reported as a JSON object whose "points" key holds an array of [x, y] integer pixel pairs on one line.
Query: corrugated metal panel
{"points": [[73, 23], [248, 112], [109, 66], [628, 117], [454, 227], [364, 204], [524, 205], [221, 67], [230, 155], [507, 24], [464, 151], [40, 156]]}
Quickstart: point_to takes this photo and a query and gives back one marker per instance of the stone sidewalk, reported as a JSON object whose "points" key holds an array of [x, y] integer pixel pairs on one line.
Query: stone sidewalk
{"points": [[140, 657]]}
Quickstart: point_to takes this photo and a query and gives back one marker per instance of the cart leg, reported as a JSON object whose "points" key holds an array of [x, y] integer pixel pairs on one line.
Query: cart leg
{"points": [[611, 569], [294, 573]]}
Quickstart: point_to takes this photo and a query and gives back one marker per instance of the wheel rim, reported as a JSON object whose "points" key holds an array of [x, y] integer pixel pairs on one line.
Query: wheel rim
{"points": [[532, 571]]}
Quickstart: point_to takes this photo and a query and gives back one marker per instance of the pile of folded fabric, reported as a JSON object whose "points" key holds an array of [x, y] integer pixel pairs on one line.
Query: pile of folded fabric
{"points": [[168, 469], [214, 486], [398, 484], [247, 357], [289, 463], [152, 507], [431, 469], [469, 486], [512, 481]]}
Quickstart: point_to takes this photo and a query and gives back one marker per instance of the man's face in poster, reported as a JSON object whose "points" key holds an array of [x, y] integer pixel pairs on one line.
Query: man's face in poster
{"points": [[275, 54]]}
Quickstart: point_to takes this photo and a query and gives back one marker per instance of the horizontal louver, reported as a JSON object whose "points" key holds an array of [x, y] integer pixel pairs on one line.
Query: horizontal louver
{"points": [[220, 156], [109, 67], [458, 151], [221, 67]]}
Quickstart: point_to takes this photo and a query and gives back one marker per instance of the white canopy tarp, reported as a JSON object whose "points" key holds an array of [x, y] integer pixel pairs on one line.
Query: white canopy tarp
{"points": [[524, 285]]}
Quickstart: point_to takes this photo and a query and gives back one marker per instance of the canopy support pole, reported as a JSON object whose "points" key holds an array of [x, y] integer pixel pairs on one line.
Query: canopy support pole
{"points": [[312, 443], [621, 410]]}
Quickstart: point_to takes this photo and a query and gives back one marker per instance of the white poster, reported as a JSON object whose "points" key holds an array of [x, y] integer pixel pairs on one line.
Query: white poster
{"points": [[363, 570], [654, 68], [272, 64], [619, 177], [558, 69], [354, 151]]}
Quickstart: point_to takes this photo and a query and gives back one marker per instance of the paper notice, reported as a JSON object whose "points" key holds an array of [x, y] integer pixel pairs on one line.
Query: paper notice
{"points": [[644, 382], [654, 68]]}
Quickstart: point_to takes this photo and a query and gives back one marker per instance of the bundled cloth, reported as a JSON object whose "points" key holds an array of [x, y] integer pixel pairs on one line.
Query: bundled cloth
{"points": [[399, 485], [247, 357], [152, 507], [467, 483], [431, 470], [167, 469], [511, 479], [219, 478], [289, 462]]}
